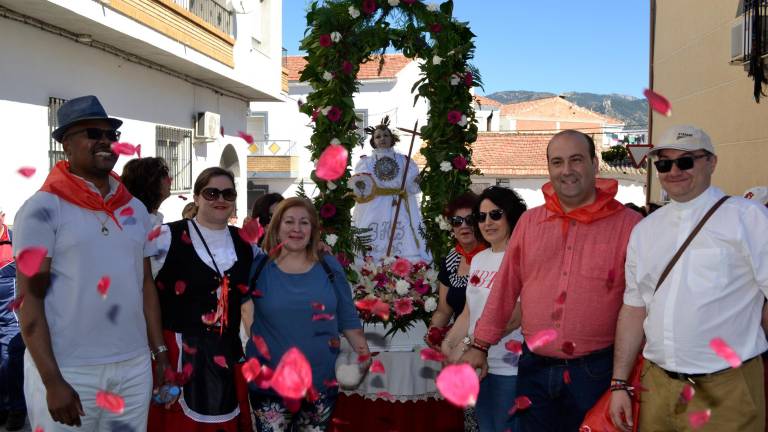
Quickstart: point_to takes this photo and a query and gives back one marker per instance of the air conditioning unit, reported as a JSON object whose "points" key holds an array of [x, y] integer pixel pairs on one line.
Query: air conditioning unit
{"points": [[208, 125]]}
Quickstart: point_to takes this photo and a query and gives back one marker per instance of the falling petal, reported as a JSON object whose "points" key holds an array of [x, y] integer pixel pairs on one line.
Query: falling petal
{"points": [[332, 163], [28, 261], [722, 349], [312, 395], [138, 150], [293, 375], [27, 171], [170, 375], [561, 298], [431, 354], [103, 286], [155, 233], [459, 384], [521, 403], [568, 347], [188, 349], [123, 149], [187, 370], [261, 347], [377, 367], [567, 376], [209, 318], [126, 212], [243, 288], [39, 429], [514, 346], [15, 304], [687, 394], [221, 361], [658, 103], [699, 418], [185, 237], [293, 405], [318, 306], [179, 287], [245, 136], [251, 369], [265, 378], [275, 249], [251, 232], [330, 383], [322, 317], [385, 395], [362, 358], [110, 402], [257, 293], [541, 338], [183, 197]]}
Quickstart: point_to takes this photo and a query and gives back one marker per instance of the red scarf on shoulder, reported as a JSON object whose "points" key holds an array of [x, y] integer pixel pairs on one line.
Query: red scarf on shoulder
{"points": [[604, 205], [469, 255], [69, 187]]}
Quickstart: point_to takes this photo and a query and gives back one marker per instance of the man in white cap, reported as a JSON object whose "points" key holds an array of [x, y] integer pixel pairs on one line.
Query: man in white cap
{"points": [[711, 298]]}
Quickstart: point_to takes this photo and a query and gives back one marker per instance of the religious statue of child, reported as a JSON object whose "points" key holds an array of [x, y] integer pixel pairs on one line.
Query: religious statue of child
{"points": [[377, 184]]}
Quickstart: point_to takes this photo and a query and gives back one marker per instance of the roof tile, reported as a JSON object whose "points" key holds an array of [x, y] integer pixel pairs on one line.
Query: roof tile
{"points": [[393, 64]]}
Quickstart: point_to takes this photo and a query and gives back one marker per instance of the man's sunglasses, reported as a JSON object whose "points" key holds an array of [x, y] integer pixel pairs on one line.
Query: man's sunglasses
{"points": [[494, 214], [457, 221], [97, 133], [683, 163], [212, 194]]}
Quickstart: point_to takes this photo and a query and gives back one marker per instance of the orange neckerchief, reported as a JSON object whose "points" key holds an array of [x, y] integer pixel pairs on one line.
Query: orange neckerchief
{"points": [[603, 206], [69, 187], [469, 255]]}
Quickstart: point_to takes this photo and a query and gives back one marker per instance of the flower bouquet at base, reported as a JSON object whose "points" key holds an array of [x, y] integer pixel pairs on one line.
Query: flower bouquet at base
{"points": [[395, 292]]}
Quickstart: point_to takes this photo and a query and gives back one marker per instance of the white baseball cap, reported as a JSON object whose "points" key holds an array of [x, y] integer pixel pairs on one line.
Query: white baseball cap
{"points": [[757, 193], [685, 138]]}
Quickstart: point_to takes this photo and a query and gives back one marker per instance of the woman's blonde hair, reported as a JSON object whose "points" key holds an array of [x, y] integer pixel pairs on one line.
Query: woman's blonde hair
{"points": [[272, 238]]}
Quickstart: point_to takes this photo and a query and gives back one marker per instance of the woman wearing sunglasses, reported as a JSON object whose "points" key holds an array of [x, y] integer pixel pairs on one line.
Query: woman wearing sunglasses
{"points": [[496, 214], [148, 180], [199, 271]]}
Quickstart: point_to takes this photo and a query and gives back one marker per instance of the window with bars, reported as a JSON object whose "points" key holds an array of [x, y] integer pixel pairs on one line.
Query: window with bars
{"points": [[175, 146], [55, 149]]}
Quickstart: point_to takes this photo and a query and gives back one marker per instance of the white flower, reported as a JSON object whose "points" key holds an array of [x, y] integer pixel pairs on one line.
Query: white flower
{"points": [[388, 260], [393, 3], [436, 60], [445, 166], [430, 305], [330, 185], [463, 121], [325, 110], [331, 239], [335, 141], [335, 36], [433, 7], [353, 12], [402, 287], [443, 222], [431, 275], [327, 76]]}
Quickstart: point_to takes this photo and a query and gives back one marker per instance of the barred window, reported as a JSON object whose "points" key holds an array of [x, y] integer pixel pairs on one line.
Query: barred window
{"points": [[175, 146], [55, 149]]}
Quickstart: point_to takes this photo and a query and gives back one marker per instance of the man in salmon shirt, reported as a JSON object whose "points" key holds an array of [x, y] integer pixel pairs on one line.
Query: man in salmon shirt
{"points": [[565, 262]]}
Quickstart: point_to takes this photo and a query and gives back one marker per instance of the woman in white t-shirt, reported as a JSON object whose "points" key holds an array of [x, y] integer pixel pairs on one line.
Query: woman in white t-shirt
{"points": [[496, 214]]}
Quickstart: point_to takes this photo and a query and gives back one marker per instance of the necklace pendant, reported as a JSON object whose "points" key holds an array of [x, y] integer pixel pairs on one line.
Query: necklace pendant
{"points": [[105, 230]]}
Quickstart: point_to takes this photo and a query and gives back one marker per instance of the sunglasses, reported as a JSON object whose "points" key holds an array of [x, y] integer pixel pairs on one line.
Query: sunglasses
{"points": [[494, 215], [457, 221], [683, 163], [97, 134], [212, 194]]}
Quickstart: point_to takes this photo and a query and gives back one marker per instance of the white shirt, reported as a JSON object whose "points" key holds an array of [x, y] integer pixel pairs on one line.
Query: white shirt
{"points": [[716, 288], [85, 328], [482, 271]]}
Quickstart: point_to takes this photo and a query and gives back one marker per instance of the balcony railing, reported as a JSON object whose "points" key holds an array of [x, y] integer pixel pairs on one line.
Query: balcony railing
{"points": [[274, 148], [212, 12], [752, 32]]}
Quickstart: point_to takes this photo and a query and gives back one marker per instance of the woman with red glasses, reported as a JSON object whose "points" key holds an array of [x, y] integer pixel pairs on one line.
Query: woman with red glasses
{"points": [[199, 271]]}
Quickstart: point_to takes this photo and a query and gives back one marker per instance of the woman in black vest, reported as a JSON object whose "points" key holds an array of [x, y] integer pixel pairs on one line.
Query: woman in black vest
{"points": [[201, 269]]}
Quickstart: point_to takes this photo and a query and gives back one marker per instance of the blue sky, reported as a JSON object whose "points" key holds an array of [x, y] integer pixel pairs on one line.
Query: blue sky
{"points": [[596, 46]]}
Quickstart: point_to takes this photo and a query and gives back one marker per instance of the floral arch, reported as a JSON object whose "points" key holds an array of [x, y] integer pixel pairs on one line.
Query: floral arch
{"points": [[342, 34]]}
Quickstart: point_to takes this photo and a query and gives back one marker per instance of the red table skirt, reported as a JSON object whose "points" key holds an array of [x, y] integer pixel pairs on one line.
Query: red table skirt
{"points": [[355, 413]]}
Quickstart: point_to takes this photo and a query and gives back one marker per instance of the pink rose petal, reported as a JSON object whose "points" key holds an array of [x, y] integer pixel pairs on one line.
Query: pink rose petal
{"points": [[322, 317], [261, 346], [521, 403], [248, 138], [513, 346], [251, 369], [179, 287], [332, 163], [138, 150], [221, 361], [459, 384], [155, 233], [385, 395], [122, 148], [103, 286], [126, 212], [188, 349], [541, 338], [431, 354], [251, 232], [658, 103], [318, 306], [29, 260], [15, 304], [722, 349], [110, 402], [699, 418], [27, 171], [293, 375], [687, 394], [377, 367]]}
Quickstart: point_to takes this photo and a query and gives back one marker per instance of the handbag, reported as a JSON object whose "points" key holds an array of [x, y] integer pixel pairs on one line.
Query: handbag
{"points": [[599, 416]]}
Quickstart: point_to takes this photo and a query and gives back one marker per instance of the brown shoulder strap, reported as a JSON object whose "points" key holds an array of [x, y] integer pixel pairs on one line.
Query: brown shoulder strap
{"points": [[688, 241]]}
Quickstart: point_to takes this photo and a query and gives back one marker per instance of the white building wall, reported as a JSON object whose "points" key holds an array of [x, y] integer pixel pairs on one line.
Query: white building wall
{"points": [[37, 65]]}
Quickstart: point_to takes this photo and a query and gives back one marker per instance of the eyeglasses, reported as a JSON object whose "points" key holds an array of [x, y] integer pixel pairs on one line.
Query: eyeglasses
{"points": [[457, 221], [494, 214], [97, 134], [212, 194], [683, 163]]}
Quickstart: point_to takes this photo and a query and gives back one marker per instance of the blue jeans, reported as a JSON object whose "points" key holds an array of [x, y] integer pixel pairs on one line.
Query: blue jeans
{"points": [[497, 395], [555, 405]]}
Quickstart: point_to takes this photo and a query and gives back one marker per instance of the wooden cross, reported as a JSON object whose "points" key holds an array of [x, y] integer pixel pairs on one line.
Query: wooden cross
{"points": [[402, 185]]}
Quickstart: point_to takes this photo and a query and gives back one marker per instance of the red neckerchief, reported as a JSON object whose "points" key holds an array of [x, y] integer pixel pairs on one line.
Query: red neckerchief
{"points": [[6, 250], [603, 206], [69, 187], [468, 255]]}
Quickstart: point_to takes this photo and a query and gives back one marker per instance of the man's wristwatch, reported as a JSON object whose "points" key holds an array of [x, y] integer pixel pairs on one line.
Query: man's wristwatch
{"points": [[160, 349]]}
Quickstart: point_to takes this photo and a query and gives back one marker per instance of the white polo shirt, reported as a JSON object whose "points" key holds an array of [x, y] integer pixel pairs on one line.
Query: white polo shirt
{"points": [[716, 289], [85, 328]]}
